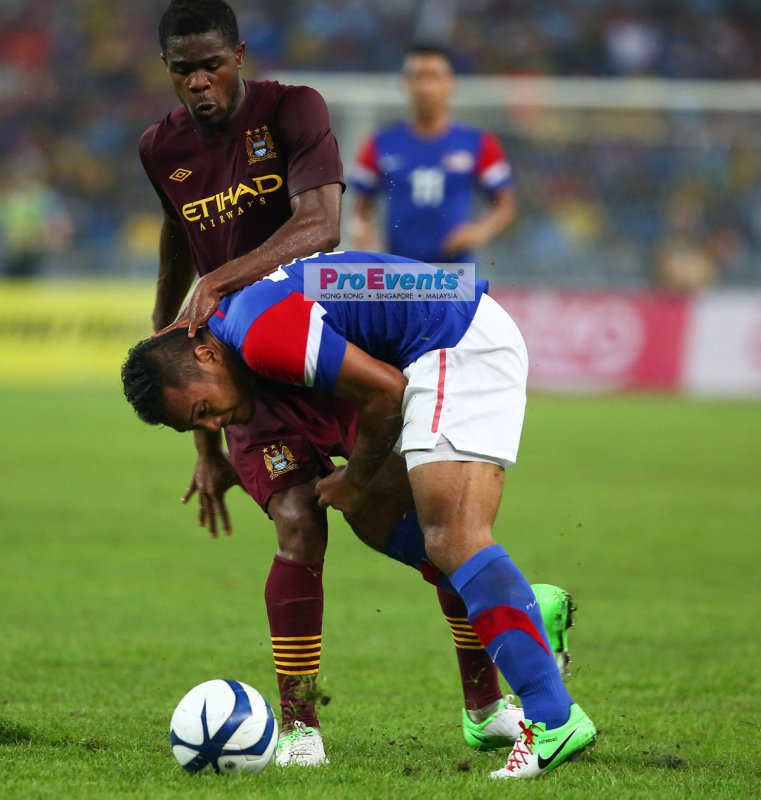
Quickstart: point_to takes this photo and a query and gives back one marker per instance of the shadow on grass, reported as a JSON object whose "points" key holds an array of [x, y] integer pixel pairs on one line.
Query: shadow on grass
{"points": [[13, 733], [636, 759]]}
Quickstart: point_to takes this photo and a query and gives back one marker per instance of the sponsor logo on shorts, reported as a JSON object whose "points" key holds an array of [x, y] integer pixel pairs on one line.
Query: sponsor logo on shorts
{"points": [[278, 459]]}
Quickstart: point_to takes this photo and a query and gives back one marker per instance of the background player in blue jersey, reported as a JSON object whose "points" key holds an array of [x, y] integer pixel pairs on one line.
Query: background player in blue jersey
{"points": [[428, 171], [444, 384]]}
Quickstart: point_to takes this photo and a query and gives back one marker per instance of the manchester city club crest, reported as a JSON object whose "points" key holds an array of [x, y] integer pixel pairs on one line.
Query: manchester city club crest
{"points": [[259, 145], [278, 459]]}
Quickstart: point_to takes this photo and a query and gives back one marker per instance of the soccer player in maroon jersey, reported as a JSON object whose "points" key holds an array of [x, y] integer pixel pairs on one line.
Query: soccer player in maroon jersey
{"points": [[249, 177]]}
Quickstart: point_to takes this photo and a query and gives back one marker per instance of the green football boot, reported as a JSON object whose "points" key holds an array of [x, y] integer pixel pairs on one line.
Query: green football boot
{"points": [[557, 609], [538, 750], [500, 729]]}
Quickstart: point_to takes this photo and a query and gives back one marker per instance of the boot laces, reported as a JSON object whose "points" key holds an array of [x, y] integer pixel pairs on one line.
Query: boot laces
{"points": [[522, 748]]}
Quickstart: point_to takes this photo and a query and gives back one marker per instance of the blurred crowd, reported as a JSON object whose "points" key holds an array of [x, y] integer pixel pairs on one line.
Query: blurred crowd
{"points": [[81, 79], [669, 198]]}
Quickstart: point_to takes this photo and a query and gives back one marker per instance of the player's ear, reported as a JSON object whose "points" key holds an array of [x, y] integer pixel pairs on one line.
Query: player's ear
{"points": [[240, 54], [206, 354]]}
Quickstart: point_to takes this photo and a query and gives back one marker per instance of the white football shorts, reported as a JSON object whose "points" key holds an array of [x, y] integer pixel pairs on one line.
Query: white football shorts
{"points": [[466, 403]]}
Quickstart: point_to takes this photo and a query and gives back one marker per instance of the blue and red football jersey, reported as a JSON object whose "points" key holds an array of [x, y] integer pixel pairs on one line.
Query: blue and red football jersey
{"points": [[285, 336], [429, 184]]}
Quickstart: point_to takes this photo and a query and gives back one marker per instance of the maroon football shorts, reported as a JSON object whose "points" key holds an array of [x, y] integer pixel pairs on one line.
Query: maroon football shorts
{"points": [[293, 434]]}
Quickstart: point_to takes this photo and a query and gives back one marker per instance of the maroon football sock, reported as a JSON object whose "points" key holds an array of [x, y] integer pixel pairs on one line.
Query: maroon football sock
{"points": [[480, 679], [294, 597]]}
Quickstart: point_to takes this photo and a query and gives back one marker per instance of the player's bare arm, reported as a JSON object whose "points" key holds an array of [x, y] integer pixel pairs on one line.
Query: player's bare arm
{"points": [[363, 227], [177, 270], [378, 389], [472, 235], [314, 227], [213, 475]]}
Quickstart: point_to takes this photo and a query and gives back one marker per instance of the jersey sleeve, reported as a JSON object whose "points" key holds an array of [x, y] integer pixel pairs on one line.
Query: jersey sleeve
{"points": [[365, 174], [492, 168], [290, 342], [145, 149], [304, 124]]}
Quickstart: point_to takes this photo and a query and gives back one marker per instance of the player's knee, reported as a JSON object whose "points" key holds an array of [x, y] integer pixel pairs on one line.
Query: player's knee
{"points": [[300, 538], [448, 546], [302, 533], [437, 546]]}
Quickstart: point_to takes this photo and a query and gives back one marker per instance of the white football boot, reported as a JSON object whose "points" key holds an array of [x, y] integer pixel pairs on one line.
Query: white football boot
{"points": [[500, 729], [300, 747]]}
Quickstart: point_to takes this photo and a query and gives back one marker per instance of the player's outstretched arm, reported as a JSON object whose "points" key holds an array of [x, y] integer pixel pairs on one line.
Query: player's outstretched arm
{"points": [[362, 225], [314, 227], [378, 389], [213, 475], [176, 272]]}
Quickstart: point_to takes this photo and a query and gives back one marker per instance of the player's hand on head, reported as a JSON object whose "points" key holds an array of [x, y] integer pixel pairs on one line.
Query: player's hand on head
{"points": [[202, 302], [212, 477]]}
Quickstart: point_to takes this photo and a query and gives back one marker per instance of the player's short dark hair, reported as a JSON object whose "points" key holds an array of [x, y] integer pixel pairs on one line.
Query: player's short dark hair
{"points": [[430, 49], [184, 17], [153, 364]]}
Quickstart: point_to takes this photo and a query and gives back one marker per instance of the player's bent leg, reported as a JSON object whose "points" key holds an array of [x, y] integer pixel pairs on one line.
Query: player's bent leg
{"points": [[294, 600], [457, 503], [490, 721], [385, 503], [386, 522], [300, 524]]}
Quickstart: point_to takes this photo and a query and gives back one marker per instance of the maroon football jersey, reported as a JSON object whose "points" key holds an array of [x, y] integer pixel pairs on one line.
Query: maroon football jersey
{"points": [[231, 189]]}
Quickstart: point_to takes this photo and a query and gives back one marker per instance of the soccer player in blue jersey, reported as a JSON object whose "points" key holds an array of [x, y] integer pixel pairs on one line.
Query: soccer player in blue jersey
{"points": [[429, 171], [443, 382]]}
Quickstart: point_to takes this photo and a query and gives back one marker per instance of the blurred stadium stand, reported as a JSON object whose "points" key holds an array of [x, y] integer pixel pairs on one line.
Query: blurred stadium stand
{"points": [[652, 177]]}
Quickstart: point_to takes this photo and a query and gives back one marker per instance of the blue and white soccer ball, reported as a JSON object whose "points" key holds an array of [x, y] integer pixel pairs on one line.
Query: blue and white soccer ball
{"points": [[225, 726]]}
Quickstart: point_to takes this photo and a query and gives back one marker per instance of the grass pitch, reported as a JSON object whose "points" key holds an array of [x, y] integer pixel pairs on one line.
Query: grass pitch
{"points": [[113, 604]]}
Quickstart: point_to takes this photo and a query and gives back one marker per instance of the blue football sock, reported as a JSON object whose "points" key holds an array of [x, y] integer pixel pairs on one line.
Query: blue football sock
{"points": [[504, 614]]}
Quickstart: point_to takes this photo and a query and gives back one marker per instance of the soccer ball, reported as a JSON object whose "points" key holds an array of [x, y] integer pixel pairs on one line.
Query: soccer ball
{"points": [[226, 726]]}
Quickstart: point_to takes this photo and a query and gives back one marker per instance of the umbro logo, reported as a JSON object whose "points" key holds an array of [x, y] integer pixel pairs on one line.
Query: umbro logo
{"points": [[179, 175]]}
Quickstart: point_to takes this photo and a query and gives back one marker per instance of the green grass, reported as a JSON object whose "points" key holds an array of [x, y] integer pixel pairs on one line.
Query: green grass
{"points": [[113, 604]]}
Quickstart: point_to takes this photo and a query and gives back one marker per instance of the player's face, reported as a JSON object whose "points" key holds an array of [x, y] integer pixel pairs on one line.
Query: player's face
{"points": [[211, 402], [205, 72], [429, 82]]}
